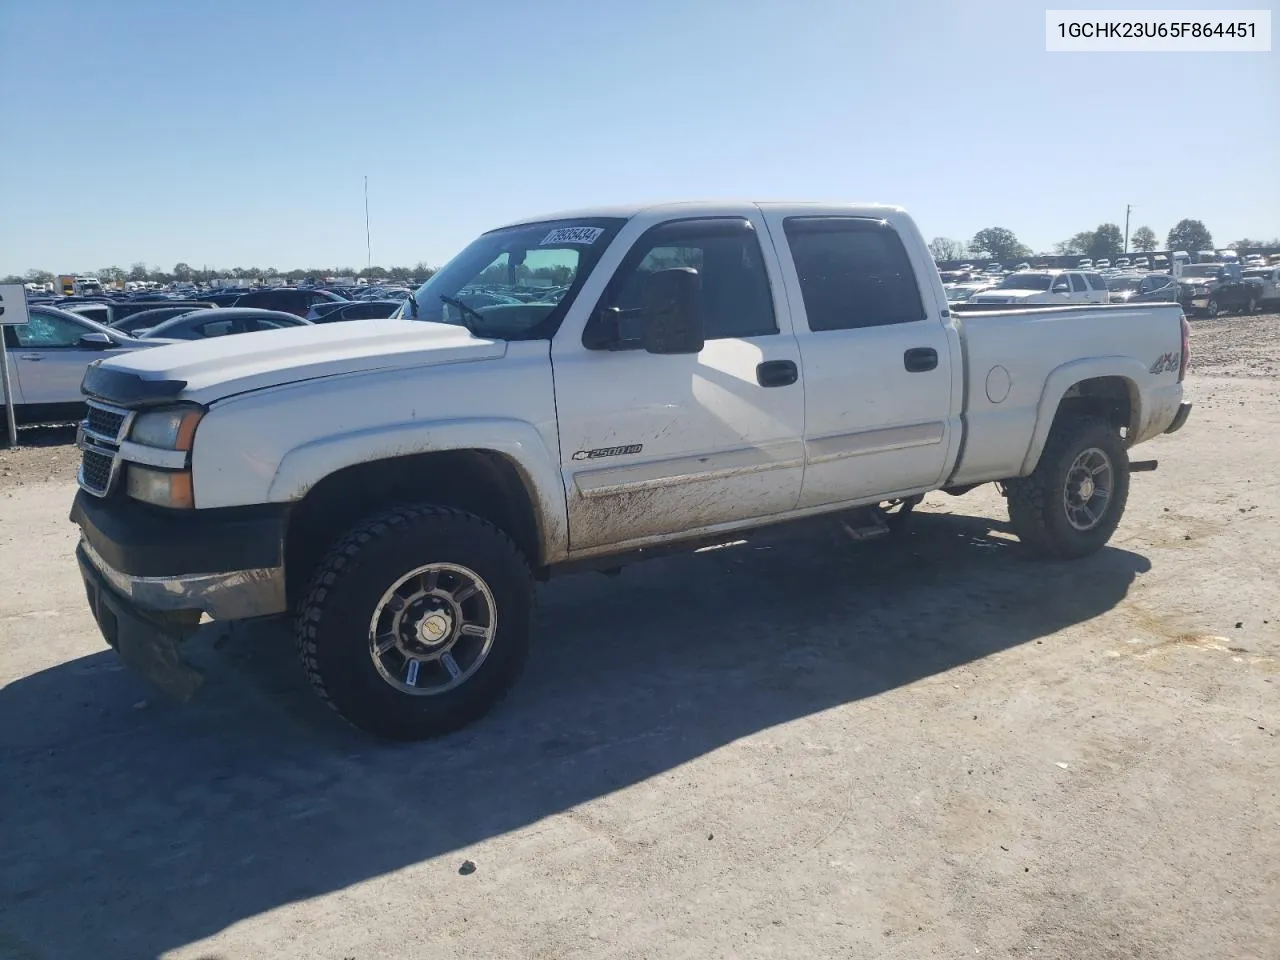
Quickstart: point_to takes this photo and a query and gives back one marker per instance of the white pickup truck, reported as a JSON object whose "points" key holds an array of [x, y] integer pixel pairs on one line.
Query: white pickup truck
{"points": [[574, 392]]}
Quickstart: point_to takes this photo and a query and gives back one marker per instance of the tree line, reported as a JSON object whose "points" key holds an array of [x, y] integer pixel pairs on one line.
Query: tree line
{"points": [[185, 273], [1107, 241]]}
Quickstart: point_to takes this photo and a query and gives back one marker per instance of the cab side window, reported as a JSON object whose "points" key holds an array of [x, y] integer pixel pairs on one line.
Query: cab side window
{"points": [[736, 297], [854, 272], [1077, 284]]}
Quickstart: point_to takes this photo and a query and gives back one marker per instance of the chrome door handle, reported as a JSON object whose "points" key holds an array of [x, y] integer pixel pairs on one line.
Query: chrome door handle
{"points": [[30, 356]]}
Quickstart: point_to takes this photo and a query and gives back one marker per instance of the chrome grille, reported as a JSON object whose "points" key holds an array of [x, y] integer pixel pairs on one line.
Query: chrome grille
{"points": [[105, 421], [95, 471], [99, 436]]}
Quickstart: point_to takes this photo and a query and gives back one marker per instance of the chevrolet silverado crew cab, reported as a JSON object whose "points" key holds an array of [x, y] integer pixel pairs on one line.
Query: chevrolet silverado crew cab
{"points": [[577, 392]]}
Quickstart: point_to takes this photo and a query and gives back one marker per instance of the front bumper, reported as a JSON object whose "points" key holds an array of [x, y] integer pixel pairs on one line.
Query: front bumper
{"points": [[226, 563], [148, 645]]}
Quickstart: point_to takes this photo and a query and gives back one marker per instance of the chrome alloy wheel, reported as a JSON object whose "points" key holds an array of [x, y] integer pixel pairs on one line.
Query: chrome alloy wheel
{"points": [[1086, 495], [433, 629]]}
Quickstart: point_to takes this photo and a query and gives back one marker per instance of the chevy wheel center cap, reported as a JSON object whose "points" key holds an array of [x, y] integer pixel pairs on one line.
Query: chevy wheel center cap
{"points": [[434, 628]]}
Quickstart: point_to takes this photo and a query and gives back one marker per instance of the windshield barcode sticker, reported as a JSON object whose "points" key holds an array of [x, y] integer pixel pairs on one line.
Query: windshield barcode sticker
{"points": [[586, 235]]}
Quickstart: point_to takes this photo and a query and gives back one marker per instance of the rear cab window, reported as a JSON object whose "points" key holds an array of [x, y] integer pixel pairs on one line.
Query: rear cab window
{"points": [[854, 272]]}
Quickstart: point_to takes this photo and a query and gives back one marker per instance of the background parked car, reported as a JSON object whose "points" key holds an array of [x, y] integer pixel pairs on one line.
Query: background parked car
{"points": [[48, 357], [147, 319], [112, 312], [1034, 286], [1142, 288], [960, 292], [223, 298], [1269, 277], [221, 322], [1210, 288], [288, 300], [356, 310]]}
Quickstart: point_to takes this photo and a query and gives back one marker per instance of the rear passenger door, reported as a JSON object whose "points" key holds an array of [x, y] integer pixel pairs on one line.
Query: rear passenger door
{"points": [[881, 413]]}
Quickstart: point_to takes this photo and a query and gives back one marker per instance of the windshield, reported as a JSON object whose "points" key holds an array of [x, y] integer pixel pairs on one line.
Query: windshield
{"points": [[1201, 270], [1117, 284], [510, 283], [1027, 281]]}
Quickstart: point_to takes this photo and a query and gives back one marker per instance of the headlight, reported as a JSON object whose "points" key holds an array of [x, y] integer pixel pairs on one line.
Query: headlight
{"points": [[167, 429], [164, 488]]}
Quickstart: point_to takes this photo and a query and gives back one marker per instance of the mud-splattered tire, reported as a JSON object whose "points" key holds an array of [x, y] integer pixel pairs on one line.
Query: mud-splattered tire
{"points": [[1046, 509], [351, 606]]}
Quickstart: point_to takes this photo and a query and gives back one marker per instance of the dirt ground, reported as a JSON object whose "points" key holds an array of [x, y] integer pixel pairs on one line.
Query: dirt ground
{"points": [[807, 747]]}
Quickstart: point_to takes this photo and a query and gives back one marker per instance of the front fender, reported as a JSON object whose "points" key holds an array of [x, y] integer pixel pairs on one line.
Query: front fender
{"points": [[305, 466], [1063, 378]]}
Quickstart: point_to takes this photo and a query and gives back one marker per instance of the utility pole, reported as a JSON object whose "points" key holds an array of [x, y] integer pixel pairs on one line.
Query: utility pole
{"points": [[1127, 208], [369, 243]]}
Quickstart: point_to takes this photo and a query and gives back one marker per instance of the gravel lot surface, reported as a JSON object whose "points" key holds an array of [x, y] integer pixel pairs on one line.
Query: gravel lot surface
{"points": [[920, 748]]}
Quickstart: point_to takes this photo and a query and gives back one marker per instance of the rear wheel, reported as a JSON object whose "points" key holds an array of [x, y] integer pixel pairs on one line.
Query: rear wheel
{"points": [[417, 623], [1072, 502]]}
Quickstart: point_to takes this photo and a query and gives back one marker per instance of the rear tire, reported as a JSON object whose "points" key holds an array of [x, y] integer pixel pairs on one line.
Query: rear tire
{"points": [[1073, 501], [448, 595]]}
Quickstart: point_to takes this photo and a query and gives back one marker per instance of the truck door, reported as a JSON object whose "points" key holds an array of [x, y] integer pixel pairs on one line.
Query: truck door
{"points": [[653, 445], [48, 358], [879, 411]]}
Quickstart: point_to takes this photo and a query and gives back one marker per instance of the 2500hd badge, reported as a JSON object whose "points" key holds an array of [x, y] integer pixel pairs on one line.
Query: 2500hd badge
{"points": [[608, 452]]}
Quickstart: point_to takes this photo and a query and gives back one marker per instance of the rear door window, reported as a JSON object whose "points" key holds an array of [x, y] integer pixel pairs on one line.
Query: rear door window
{"points": [[854, 272], [1077, 283]]}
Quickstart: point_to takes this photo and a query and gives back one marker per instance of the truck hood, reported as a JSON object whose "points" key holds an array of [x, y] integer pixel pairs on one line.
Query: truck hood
{"points": [[208, 370]]}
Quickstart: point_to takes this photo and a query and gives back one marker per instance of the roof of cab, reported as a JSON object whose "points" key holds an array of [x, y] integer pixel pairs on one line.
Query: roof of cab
{"points": [[695, 208]]}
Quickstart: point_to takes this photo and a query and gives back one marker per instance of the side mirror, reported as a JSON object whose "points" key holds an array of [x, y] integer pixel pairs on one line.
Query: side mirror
{"points": [[673, 312], [97, 341]]}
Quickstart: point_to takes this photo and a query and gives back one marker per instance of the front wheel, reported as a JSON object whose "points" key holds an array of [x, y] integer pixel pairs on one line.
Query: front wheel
{"points": [[1211, 308], [1072, 502], [417, 622]]}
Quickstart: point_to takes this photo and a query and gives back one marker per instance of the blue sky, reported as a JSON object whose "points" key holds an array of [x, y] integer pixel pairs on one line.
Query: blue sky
{"points": [[236, 133]]}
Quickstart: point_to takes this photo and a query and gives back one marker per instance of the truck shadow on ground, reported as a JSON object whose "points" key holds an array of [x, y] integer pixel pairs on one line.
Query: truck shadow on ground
{"points": [[155, 828]]}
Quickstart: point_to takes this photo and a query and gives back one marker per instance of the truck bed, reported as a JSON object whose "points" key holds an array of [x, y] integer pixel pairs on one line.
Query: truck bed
{"points": [[1014, 359]]}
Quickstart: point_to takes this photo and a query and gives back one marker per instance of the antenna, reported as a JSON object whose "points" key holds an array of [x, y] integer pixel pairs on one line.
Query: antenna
{"points": [[368, 242]]}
